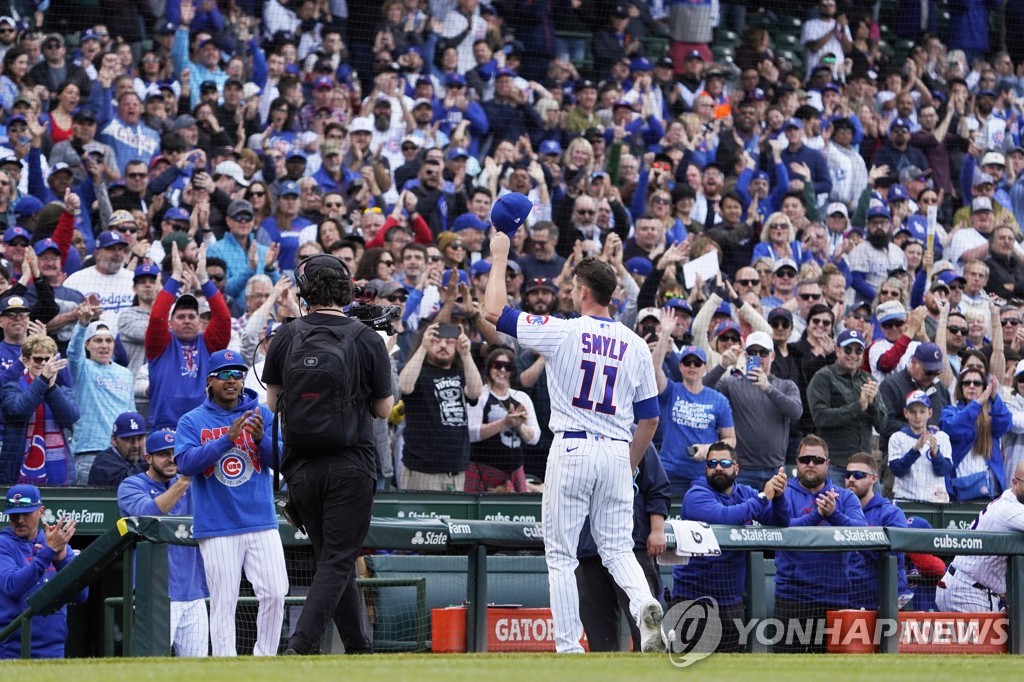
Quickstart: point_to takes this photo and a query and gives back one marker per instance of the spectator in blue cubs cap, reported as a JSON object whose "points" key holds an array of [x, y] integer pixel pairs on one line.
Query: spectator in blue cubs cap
{"points": [[45, 245], [472, 231], [16, 240], [481, 267], [550, 148], [463, 277], [479, 273], [132, 322], [640, 266], [468, 221], [26, 206]]}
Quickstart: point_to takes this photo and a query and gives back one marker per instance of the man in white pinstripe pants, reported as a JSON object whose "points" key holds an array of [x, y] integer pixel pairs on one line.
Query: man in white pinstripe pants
{"points": [[600, 375], [223, 446]]}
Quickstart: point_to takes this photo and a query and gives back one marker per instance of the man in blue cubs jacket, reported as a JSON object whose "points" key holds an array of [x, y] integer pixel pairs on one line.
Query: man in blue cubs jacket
{"points": [[718, 498], [807, 584], [224, 445], [158, 491], [601, 600], [861, 477], [29, 557]]}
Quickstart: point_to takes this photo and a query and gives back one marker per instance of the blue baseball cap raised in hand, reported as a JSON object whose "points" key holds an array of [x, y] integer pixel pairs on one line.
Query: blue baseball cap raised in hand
{"points": [[510, 212]]}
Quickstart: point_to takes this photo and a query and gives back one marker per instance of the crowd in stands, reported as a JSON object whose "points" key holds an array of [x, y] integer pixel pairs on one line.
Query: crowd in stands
{"points": [[828, 246]]}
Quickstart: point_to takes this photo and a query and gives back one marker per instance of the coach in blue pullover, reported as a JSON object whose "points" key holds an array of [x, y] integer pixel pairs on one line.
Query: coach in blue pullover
{"points": [[29, 557], [223, 446], [861, 478], [719, 499], [807, 584], [600, 598]]}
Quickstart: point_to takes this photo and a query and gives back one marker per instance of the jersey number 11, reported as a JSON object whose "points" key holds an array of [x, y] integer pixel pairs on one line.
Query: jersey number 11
{"points": [[583, 401]]}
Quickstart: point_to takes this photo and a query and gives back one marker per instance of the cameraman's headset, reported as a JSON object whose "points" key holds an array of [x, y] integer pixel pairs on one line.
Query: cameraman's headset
{"points": [[318, 262], [310, 266]]}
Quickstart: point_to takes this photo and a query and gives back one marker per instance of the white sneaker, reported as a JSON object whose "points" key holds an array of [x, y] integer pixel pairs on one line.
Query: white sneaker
{"points": [[652, 638]]}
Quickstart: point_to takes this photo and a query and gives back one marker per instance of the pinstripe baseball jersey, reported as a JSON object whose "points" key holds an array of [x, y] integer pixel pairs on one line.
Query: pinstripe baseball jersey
{"points": [[597, 370], [917, 480], [1002, 514]]}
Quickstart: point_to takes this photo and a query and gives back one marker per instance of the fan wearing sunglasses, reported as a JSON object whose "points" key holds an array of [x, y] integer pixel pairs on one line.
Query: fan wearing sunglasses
{"points": [[976, 422], [844, 403], [764, 406], [720, 498], [500, 423], [230, 434], [694, 416], [861, 477], [898, 343], [808, 584]]}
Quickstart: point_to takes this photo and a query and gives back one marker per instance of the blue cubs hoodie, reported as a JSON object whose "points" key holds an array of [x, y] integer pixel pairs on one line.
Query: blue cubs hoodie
{"points": [[864, 564], [23, 570], [232, 488], [819, 577], [723, 577]]}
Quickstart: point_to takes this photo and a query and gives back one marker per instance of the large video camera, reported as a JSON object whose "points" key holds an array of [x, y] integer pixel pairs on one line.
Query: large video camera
{"points": [[377, 317]]}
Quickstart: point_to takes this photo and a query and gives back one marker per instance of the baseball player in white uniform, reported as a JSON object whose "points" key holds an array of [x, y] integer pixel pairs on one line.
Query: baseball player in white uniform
{"points": [[978, 583], [600, 375], [223, 446], [157, 492]]}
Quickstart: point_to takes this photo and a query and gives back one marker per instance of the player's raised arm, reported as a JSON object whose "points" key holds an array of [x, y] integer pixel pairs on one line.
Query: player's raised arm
{"points": [[495, 295], [508, 214]]}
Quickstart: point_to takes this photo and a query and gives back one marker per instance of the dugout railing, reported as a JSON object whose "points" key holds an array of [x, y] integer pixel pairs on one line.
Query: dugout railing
{"points": [[95, 509], [146, 610]]}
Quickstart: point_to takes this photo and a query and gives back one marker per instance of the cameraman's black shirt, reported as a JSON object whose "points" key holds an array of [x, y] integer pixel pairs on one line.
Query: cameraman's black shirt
{"points": [[373, 374]]}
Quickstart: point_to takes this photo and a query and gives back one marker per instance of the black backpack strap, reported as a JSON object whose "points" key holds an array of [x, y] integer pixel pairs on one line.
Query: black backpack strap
{"points": [[275, 447], [275, 431]]}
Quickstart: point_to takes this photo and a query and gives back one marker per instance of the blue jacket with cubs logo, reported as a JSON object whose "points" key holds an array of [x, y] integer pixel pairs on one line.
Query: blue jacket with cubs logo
{"points": [[24, 568], [723, 576], [822, 577], [232, 489]]}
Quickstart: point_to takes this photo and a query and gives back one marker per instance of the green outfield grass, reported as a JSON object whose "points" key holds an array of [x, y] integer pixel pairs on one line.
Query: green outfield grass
{"points": [[530, 668]]}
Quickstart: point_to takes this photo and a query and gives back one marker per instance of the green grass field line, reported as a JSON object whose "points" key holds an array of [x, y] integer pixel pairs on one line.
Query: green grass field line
{"points": [[532, 668]]}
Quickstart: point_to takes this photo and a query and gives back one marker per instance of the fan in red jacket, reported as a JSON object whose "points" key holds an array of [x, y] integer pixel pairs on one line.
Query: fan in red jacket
{"points": [[176, 349]]}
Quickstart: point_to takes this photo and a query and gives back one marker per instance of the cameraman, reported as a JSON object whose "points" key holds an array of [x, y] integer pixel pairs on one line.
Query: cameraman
{"points": [[331, 488]]}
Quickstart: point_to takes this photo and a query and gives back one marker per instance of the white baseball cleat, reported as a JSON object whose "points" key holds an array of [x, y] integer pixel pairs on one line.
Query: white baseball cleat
{"points": [[652, 639]]}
